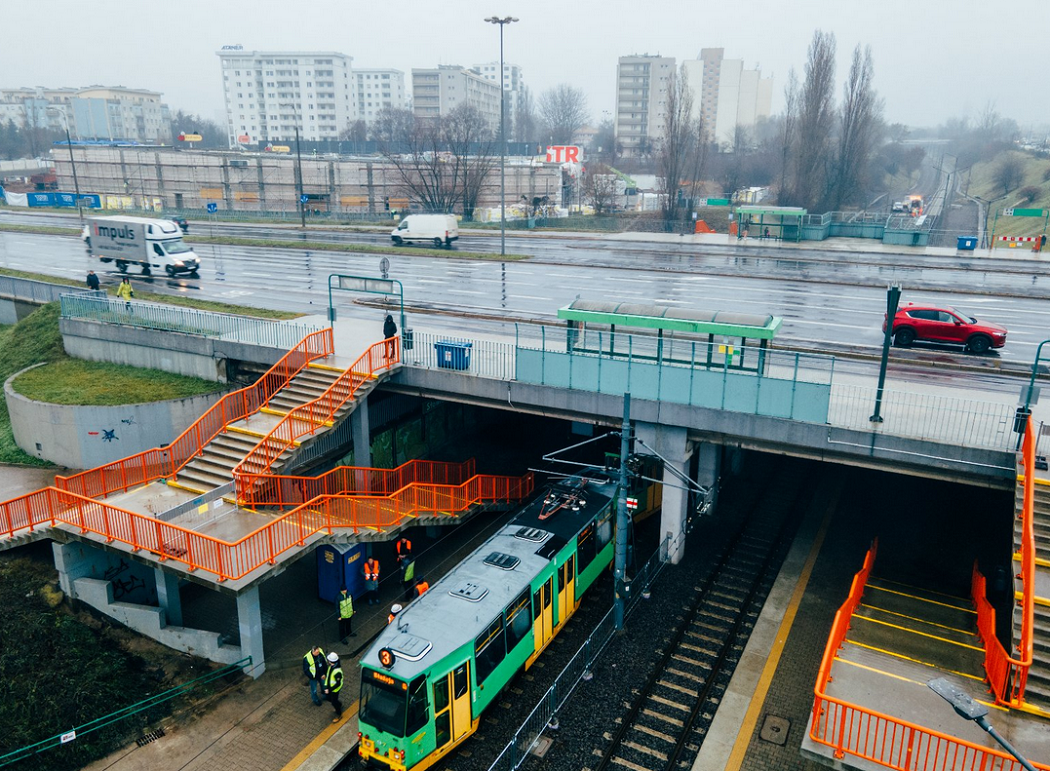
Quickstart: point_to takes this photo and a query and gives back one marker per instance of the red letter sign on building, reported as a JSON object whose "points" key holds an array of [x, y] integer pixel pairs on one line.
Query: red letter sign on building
{"points": [[563, 154]]}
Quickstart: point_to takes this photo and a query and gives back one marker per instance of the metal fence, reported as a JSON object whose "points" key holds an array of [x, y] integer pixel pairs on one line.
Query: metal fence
{"points": [[190, 321], [578, 669], [481, 358], [28, 290]]}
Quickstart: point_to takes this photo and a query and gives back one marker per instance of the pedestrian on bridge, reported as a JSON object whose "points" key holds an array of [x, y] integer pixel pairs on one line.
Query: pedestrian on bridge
{"points": [[372, 580], [333, 683], [315, 668], [125, 291], [389, 333], [346, 614], [92, 281]]}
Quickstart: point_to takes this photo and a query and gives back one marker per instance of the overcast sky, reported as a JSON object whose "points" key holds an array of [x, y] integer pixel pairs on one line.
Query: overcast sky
{"points": [[933, 58]]}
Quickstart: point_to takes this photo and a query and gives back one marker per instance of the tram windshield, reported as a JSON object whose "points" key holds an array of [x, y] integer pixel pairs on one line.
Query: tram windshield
{"points": [[384, 702]]}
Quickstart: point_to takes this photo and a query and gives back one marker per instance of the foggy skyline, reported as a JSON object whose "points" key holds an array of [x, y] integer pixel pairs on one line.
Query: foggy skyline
{"points": [[933, 61]]}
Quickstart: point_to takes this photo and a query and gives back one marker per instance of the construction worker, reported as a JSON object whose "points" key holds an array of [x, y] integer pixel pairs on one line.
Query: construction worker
{"points": [[404, 549], [314, 668], [333, 683], [408, 577], [421, 586], [394, 610], [346, 614], [371, 569]]}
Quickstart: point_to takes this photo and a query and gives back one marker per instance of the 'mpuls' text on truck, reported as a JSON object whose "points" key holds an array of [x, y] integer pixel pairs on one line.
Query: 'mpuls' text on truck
{"points": [[150, 243]]}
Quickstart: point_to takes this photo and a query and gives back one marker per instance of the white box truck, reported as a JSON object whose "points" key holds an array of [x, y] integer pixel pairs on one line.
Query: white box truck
{"points": [[439, 229], [151, 243]]}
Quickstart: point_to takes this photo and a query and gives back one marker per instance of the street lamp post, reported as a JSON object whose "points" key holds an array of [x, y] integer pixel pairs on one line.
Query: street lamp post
{"points": [[502, 137], [298, 166], [72, 163], [893, 298]]}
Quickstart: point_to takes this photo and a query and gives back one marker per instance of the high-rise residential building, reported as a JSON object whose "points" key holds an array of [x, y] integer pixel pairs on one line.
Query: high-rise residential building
{"points": [[513, 88], [269, 93], [641, 99], [96, 112], [376, 89], [436, 92], [725, 95]]}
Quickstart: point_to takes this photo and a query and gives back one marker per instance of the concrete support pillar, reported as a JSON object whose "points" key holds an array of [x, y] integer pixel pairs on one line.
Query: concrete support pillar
{"points": [[709, 469], [673, 445], [249, 622], [362, 434], [168, 596]]}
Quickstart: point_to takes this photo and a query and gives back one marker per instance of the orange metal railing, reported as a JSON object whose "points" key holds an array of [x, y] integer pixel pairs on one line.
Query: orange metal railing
{"points": [[305, 419], [882, 739], [233, 560], [1008, 676], [162, 462]]}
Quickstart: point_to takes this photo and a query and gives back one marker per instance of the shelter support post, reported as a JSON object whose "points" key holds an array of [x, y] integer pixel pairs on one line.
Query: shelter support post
{"points": [[249, 623], [672, 443]]}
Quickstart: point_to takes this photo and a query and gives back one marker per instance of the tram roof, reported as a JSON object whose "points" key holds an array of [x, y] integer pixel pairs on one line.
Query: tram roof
{"points": [[446, 619], [761, 327]]}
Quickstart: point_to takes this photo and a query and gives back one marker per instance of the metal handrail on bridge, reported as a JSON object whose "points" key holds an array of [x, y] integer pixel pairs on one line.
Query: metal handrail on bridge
{"points": [[1008, 676], [307, 418], [879, 738], [162, 462]]}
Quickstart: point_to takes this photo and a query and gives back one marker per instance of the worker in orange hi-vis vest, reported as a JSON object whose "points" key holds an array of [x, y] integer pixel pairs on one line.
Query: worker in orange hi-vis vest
{"points": [[371, 569]]}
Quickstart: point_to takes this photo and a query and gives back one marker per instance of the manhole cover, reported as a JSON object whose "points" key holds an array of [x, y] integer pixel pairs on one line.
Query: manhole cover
{"points": [[775, 729], [539, 749], [151, 736]]}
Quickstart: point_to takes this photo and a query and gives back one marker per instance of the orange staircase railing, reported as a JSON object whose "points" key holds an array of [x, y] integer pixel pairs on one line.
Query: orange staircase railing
{"points": [[878, 738], [1008, 676], [307, 418], [163, 462], [233, 560]]}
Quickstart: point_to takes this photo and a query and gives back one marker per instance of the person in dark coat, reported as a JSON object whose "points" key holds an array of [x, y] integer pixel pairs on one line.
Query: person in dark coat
{"points": [[92, 281], [389, 332]]}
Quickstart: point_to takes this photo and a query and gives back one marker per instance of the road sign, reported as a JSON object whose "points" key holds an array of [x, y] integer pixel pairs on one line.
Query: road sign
{"points": [[304, 198], [712, 202], [1024, 213], [632, 504], [212, 208], [190, 137]]}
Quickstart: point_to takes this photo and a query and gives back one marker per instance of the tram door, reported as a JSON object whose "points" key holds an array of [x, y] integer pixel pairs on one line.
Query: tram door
{"points": [[567, 589], [543, 613], [452, 705]]}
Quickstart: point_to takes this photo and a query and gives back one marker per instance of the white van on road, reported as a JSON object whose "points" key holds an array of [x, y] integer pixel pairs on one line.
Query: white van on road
{"points": [[143, 241], [439, 229]]}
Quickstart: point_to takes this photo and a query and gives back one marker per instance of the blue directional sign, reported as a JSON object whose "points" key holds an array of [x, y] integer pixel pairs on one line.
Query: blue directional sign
{"points": [[303, 199], [212, 208]]}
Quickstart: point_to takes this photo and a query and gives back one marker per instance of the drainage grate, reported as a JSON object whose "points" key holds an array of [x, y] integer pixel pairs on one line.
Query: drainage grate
{"points": [[150, 736]]}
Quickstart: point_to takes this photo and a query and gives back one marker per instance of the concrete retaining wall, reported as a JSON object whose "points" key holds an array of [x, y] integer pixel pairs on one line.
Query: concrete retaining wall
{"points": [[79, 436]]}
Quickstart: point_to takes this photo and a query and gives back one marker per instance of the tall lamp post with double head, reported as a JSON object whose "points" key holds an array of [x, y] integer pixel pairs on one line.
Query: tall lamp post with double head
{"points": [[298, 168], [72, 163], [502, 22]]}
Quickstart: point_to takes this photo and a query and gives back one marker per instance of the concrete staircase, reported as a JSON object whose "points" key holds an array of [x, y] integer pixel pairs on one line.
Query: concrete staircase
{"points": [[1037, 692]]}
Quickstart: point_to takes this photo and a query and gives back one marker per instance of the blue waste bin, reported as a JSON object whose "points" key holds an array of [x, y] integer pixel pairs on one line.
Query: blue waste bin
{"points": [[453, 355], [966, 243]]}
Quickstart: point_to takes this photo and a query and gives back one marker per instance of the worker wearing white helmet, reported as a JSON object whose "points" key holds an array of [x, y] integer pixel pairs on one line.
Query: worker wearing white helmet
{"points": [[333, 683], [394, 610]]}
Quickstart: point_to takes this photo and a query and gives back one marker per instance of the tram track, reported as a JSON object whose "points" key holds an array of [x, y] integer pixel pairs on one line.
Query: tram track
{"points": [[666, 721]]}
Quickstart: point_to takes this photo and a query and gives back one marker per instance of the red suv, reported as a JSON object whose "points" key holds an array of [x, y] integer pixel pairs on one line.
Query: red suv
{"points": [[944, 325]]}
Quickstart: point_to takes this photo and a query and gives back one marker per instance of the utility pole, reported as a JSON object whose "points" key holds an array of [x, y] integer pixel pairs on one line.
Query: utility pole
{"points": [[72, 163], [502, 137], [299, 176], [620, 586], [893, 298]]}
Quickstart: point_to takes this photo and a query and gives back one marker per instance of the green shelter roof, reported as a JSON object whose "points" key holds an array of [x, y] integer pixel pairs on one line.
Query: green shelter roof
{"points": [[666, 317]]}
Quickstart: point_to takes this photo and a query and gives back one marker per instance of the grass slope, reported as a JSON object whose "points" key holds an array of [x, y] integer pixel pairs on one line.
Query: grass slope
{"points": [[980, 182]]}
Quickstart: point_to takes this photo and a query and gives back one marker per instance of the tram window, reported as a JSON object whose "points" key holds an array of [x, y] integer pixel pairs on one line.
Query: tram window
{"points": [[440, 693], [519, 620], [585, 548], [417, 705], [459, 682], [443, 728], [605, 529], [489, 650]]}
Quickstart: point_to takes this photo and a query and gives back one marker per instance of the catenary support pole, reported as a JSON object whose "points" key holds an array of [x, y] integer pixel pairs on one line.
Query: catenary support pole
{"points": [[620, 558]]}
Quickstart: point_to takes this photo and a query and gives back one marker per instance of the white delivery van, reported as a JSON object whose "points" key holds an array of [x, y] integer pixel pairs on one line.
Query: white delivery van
{"points": [[439, 229], [151, 243]]}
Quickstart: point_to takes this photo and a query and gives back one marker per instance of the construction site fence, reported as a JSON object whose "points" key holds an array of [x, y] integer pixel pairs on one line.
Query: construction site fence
{"points": [[164, 462], [170, 318]]}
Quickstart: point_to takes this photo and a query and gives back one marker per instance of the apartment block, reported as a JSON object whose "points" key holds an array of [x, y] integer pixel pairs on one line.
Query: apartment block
{"points": [[436, 92], [96, 112], [726, 95], [641, 99], [513, 88], [377, 89]]}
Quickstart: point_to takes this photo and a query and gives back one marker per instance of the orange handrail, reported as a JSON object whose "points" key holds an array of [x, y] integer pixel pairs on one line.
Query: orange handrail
{"points": [[880, 738], [162, 462], [230, 560], [1008, 676], [307, 418]]}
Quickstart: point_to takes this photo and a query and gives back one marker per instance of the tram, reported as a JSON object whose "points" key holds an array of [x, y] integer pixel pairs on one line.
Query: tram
{"points": [[432, 673]]}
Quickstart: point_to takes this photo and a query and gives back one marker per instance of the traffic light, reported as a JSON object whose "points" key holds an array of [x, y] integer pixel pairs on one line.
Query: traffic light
{"points": [[386, 203]]}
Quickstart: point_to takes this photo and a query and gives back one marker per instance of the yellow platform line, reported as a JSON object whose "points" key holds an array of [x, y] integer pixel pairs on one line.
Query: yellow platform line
{"points": [[754, 709], [902, 657], [920, 634], [921, 599], [320, 739], [902, 678], [920, 620]]}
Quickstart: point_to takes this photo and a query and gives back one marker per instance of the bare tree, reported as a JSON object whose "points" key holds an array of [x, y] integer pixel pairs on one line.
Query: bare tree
{"points": [[472, 143], [734, 170], [605, 146], [600, 187], [525, 118], [355, 131], [212, 134], [1009, 172], [563, 112], [682, 150], [788, 130], [816, 118], [393, 126], [860, 121]]}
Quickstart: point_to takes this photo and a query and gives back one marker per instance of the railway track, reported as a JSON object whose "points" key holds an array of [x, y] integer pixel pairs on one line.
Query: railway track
{"points": [[668, 718]]}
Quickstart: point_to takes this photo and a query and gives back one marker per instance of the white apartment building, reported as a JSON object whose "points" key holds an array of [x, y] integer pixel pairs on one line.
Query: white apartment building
{"points": [[376, 89], [95, 112], [269, 93], [641, 99], [513, 88], [726, 95], [436, 92]]}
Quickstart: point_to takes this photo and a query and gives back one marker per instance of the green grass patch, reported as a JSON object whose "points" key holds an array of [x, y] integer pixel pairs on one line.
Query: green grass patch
{"points": [[322, 246], [47, 230], [75, 381], [981, 182]]}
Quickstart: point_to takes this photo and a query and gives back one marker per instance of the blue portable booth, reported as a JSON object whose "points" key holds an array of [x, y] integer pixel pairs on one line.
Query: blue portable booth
{"points": [[340, 565]]}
